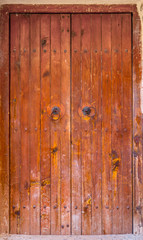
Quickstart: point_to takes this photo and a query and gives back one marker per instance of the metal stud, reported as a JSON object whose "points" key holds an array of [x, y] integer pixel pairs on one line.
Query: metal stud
{"points": [[34, 206], [62, 226], [75, 207], [54, 207], [107, 207], [54, 50], [128, 207], [75, 50], [45, 50], [34, 50], [96, 207], [13, 207], [126, 50], [24, 207], [65, 51], [117, 207], [65, 207], [14, 50], [25, 129]]}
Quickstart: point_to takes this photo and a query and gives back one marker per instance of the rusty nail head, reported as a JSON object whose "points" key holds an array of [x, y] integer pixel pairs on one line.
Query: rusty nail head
{"points": [[24, 50], [34, 50], [25, 129], [105, 50], [13, 207], [62, 226], [67, 225], [126, 50], [107, 207], [35, 129], [34, 206], [95, 50], [117, 207], [54, 50], [45, 50], [75, 50], [128, 207], [54, 207], [96, 207], [65, 206], [75, 207], [65, 51], [14, 50], [45, 129], [44, 206], [24, 207], [85, 50], [68, 30]]}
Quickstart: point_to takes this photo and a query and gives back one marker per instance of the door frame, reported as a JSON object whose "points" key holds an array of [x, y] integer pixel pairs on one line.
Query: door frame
{"points": [[137, 141]]}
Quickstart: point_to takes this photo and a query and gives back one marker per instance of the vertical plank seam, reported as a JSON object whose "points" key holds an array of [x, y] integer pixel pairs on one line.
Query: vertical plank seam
{"points": [[40, 125], [50, 126], [111, 171], [81, 121], [90, 121], [122, 113], [29, 125], [20, 123], [9, 117], [101, 127], [132, 119], [70, 124], [59, 130]]}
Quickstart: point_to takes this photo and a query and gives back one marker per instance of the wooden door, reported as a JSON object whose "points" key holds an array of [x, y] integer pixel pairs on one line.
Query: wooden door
{"points": [[70, 124]]}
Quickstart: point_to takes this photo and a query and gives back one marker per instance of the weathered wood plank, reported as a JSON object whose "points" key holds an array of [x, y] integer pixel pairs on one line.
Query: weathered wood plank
{"points": [[4, 118], [96, 122], [55, 125], [34, 115], [86, 123], [65, 125], [106, 126], [116, 134], [76, 125], [24, 115], [45, 126], [15, 131], [126, 124]]}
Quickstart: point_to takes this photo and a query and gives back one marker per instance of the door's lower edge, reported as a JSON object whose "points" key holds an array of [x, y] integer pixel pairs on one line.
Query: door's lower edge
{"points": [[72, 237]]}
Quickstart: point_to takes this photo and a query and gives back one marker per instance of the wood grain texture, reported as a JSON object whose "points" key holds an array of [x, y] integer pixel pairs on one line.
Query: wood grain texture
{"points": [[65, 125], [86, 123], [34, 114], [106, 126], [126, 124], [45, 125], [116, 134], [76, 192], [24, 115], [137, 130], [55, 125], [4, 119], [15, 129], [68, 8], [96, 122]]}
